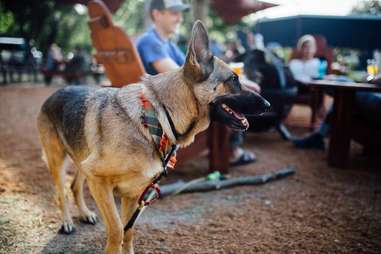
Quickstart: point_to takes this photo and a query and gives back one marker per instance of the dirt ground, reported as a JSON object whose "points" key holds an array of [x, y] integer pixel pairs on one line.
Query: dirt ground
{"points": [[317, 210]]}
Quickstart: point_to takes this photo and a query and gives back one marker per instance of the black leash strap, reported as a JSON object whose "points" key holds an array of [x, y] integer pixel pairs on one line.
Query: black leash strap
{"points": [[173, 128], [145, 201], [131, 222]]}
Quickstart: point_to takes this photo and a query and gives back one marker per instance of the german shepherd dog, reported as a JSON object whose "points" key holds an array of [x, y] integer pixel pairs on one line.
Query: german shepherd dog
{"points": [[100, 130]]}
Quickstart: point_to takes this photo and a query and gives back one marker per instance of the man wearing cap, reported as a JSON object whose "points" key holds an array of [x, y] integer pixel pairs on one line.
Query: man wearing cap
{"points": [[157, 52], [159, 55]]}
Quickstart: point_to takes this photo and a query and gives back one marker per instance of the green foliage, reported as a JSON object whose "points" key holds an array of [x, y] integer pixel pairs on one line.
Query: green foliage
{"points": [[73, 30], [45, 21], [6, 20], [28, 19], [217, 28], [131, 16], [222, 31]]}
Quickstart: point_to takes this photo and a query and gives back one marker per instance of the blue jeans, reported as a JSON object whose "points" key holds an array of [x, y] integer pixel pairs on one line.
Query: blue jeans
{"points": [[236, 139]]}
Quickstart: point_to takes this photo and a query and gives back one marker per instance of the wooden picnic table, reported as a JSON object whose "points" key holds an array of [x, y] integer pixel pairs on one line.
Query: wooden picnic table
{"points": [[340, 134]]}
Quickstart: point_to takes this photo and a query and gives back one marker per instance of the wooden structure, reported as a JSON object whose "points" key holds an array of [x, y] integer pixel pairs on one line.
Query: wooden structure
{"points": [[345, 126], [115, 50], [123, 66]]}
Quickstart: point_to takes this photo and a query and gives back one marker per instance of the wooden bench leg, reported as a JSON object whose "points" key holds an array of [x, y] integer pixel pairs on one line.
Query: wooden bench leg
{"points": [[341, 127], [219, 148]]}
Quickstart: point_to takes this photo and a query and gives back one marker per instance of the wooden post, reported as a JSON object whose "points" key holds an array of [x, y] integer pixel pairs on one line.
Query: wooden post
{"points": [[219, 148], [340, 137]]}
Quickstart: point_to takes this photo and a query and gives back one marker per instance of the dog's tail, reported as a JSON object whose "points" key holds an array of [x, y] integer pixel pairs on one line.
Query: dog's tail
{"points": [[53, 149]]}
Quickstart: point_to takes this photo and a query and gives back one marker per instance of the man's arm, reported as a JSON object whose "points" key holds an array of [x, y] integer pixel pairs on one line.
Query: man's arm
{"points": [[167, 63], [164, 65]]}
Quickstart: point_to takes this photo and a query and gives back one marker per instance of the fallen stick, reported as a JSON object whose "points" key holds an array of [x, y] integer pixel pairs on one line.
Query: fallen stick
{"points": [[208, 185]]}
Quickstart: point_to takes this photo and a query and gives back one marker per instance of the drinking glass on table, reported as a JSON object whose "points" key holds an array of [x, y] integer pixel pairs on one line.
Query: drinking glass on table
{"points": [[372, 67], [323, 65], [237, 68]]}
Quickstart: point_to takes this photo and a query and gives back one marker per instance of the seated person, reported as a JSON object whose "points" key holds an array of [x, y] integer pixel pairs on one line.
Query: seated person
{"points": [[157, 51], [159, 54], [367, 106], [77, 65], [54, 58], [306, 67]]}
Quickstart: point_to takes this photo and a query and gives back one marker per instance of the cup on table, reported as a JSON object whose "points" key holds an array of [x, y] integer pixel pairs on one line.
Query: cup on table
{"points": [[237, 68], [323, 65], [372, 67]]}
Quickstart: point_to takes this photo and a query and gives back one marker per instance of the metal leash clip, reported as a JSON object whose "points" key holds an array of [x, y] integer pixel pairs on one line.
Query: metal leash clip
{"points": [[152, 196]]}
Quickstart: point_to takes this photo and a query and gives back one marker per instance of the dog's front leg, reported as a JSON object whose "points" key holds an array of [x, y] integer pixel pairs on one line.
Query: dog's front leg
{"points": [[103, 195], [128, 207]]}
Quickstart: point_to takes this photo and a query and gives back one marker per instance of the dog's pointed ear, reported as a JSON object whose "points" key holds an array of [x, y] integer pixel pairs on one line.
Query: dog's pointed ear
{"points": [[199, 60]]}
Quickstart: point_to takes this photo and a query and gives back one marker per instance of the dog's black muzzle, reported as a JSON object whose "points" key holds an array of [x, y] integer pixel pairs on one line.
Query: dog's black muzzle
{"points": [[231, 109]]}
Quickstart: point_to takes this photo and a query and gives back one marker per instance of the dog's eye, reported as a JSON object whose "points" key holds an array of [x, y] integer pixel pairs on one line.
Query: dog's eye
{"points": [[232, 78]]}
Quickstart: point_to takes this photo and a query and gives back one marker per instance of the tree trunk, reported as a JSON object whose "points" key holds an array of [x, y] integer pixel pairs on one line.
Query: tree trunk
{"points": [[200, 9], [147, 16]]}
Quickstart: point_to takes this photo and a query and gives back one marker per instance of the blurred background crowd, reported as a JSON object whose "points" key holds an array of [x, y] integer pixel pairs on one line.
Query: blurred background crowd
{"points": [[41, 39]]}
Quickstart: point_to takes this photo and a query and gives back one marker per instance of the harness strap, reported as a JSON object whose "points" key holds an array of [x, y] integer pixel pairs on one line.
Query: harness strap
{"points": [[145, 200], [173, 128], [167, 156]]}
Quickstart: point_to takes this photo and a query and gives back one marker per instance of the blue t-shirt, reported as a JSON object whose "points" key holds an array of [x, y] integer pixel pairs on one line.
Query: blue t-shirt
{"points": [[152, 48]]}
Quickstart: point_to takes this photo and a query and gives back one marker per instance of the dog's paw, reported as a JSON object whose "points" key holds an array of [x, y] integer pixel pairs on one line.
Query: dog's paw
{"points": [[66, 229], [90, 218], [129, 251]]}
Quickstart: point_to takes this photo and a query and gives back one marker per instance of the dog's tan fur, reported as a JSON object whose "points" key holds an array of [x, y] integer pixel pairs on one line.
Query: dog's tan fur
{"points": [[112, 150]]}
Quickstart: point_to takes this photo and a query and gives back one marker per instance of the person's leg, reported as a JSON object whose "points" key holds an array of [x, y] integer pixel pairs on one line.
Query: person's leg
{"points": [[367, 110], [325, 126], [368, 107], [239, 156], [315, 140]]}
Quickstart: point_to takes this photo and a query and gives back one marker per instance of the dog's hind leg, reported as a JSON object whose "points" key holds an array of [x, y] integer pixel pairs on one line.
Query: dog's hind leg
{"points": [[102, 192], [128, 207], [87, 216], [56, 159]]}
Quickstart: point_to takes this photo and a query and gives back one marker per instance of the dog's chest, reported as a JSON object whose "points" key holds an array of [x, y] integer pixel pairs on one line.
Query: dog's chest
{"points": [[134, 184]]}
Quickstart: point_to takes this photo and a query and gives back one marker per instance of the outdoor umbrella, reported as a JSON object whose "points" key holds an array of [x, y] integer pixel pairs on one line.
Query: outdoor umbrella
{"points": [[233, 11], [359, 32]]}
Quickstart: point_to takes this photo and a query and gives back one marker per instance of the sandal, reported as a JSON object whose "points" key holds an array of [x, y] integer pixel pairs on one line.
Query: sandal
{"points": [[245, 158]]}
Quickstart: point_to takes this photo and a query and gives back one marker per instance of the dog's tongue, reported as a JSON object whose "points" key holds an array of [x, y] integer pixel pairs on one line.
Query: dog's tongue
{"points": [[238, 116]]}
